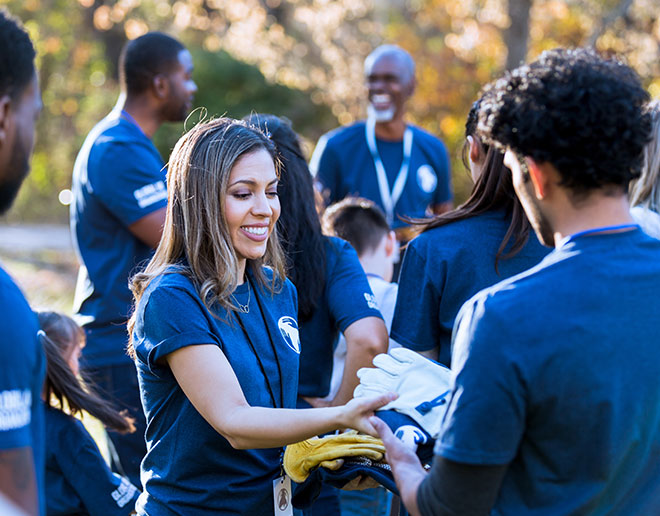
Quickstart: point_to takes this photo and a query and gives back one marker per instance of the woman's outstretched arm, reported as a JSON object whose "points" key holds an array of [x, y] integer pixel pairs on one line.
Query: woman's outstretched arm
{"points": [[209, 382]]}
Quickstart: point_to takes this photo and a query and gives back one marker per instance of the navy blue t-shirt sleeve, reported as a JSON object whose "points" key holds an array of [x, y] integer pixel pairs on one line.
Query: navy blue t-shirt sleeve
{"points": [[174, 317], [128, 179], [415, 324], [326, 167], [349, 294], [20, 366], [102, 492], [486, 414]]}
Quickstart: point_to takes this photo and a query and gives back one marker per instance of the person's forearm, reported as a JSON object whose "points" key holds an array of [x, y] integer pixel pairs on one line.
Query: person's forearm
{"points": [[17, 478], [260, 427]]}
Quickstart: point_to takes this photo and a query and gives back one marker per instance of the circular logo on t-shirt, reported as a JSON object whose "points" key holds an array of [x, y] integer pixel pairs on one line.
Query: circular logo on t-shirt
{"points": [[410, 435], [426, 178], [289, 329]]}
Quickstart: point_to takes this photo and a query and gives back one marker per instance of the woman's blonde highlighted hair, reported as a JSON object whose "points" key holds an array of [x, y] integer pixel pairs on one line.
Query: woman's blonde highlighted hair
{"points": [[645, 190], [196, 240]]}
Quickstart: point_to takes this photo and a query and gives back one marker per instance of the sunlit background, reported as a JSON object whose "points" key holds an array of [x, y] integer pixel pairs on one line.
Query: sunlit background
{"points": [[297, 58]]}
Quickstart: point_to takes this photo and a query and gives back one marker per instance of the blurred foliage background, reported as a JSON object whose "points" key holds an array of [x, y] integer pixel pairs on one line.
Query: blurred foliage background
{"points": [[303, 59]]}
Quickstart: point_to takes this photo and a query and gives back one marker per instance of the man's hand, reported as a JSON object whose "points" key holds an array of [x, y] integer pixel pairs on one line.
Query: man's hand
{"points": [[406, 467]]}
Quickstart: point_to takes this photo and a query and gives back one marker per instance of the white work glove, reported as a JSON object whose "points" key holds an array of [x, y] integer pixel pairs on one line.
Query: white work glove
{"points": [[423, 386]]}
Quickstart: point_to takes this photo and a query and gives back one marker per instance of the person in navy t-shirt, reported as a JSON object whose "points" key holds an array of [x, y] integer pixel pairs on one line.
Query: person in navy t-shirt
{"points": [[555, 407], [118, 211], [78, 480], [400, 167], [485, 240], [21, 357], [215, 336]]}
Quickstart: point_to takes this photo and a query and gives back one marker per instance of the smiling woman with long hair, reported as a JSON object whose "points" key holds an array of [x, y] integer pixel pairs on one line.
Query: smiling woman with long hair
{"points": [[215, 337]]}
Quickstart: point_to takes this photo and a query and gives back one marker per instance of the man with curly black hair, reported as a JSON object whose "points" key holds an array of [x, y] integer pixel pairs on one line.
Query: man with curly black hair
{"points": [[555, 408], [22, 364]]}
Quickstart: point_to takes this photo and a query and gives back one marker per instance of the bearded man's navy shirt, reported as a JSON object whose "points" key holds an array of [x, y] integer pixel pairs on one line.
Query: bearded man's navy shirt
{"points": [[557, 375], [22, 371], [343, 166]]}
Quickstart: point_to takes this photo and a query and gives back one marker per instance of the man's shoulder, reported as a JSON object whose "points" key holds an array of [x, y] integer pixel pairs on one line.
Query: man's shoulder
{"points": [[427, 140], [12, 301], [113, 133], [18, 323]]}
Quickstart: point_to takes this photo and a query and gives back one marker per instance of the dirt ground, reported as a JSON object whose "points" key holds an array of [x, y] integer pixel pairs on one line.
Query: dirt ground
{"points": [[42, 262]]}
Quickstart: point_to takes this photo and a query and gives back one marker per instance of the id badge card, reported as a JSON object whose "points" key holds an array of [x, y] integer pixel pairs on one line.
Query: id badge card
{"points": [[282, 496]]}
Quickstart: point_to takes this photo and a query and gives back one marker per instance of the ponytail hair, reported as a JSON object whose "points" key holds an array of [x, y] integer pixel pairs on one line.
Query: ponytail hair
{"points": [[59, 334]]}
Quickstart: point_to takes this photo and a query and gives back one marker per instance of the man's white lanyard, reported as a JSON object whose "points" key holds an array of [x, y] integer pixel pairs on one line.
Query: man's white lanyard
{"points": [[389, 198]]}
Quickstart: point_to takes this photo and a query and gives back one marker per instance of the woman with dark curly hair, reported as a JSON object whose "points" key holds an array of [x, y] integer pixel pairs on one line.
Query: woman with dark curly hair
{"points": [[483, 241]]}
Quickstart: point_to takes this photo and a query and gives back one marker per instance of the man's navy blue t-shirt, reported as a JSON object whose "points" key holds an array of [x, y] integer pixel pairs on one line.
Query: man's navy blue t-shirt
{"points": [[346, 298], [118, 179], [78, 480], [343, 165], [189, 467], [557, 374], [444, 267], [22, 371]]}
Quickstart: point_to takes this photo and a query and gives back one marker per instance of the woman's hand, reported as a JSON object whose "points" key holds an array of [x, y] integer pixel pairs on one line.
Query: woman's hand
{"points": [[356, 413]]}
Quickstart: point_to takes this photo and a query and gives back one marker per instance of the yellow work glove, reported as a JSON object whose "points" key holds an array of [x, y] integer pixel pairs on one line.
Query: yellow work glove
{"points": [[300, 458]]}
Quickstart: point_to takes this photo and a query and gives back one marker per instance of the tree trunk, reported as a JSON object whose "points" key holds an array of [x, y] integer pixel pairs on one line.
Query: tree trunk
{"points": [[516, 37]]}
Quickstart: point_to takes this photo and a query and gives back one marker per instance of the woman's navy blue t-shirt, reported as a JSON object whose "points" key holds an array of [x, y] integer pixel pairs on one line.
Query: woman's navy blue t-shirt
{"points": [[346, 298], [189, 467], [446, 266]]}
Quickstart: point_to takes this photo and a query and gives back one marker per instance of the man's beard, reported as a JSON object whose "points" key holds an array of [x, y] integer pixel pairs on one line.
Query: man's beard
{"points": [[174, 112], [17, 170], [385, 115], [537, 219]]}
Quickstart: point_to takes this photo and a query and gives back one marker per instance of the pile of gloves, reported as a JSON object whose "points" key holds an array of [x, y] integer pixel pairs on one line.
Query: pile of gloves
{"points": [[415, 417]]}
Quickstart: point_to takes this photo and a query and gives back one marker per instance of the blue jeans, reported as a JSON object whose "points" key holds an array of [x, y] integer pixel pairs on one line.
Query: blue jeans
{"points": [[370, 502]]}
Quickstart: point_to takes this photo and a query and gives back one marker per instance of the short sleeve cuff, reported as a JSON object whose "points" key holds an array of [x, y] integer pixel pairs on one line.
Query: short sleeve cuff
{"points": [[410, 344], [15, 438], [346, 322], [179, 341]]}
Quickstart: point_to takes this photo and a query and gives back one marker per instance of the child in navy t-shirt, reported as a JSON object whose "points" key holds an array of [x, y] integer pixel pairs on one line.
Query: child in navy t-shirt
{"points": [[78, 480]]}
